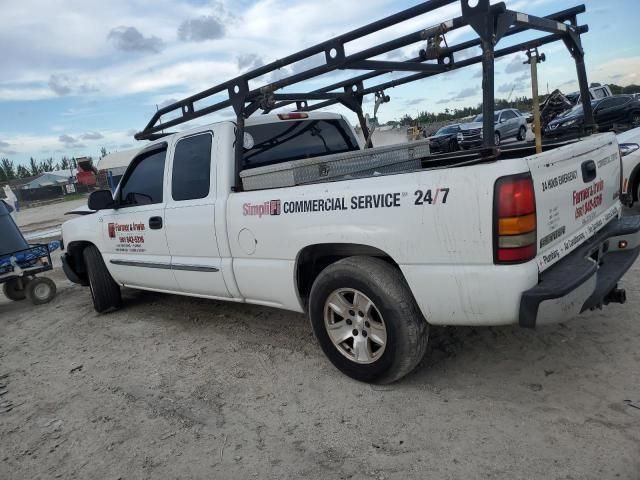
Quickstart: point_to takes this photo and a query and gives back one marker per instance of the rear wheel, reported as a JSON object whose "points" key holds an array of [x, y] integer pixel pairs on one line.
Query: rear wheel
{"points": [[41, 290], [105, 292], [635, 119], [14, 289], [366, 320], [522, 133]]}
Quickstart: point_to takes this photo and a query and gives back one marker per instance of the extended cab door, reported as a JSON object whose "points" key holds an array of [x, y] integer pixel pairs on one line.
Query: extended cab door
{"points": [[134, 241], [190, 217]]}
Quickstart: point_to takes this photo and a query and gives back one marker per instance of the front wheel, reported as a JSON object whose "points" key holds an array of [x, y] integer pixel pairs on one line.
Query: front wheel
{"points": [[496, 139], [635, 119], [522, 133], [105, 292], [366, 320]]}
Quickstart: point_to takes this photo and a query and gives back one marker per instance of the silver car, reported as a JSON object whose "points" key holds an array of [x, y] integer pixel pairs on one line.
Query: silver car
{"points": [[508, 123]]}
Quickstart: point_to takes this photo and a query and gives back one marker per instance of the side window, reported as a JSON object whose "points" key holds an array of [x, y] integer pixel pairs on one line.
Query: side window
{"points": [[508, 115], [599, 93], [191, 176], [619, 101], [142, 185]]}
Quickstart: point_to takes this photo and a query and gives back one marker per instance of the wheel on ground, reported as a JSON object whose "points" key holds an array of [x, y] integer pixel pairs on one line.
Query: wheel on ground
{"points": [[453, 146], [496, 139], [105, 292], [635, 119], [522, 133], [366, 320], [14, 290], [40, 290]]}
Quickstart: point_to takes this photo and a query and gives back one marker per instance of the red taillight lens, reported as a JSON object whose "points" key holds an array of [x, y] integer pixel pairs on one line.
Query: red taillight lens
{"points": [[516, 197], [515, 235], [293, 116], [516, 255]]}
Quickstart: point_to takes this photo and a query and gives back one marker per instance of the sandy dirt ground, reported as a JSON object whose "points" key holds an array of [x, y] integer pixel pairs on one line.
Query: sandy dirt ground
{"points": [[43, 223], [179, 388]]}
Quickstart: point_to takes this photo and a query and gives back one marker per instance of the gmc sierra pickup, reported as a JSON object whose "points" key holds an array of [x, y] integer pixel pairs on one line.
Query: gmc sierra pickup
{"points": [[291, 211]]}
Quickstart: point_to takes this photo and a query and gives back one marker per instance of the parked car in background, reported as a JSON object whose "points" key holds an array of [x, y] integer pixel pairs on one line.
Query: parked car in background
{"points": [[445, 139], [607, 112], [508, 123]]}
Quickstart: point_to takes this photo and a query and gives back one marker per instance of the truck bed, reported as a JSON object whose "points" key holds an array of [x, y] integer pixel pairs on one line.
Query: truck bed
{"points": [[393, 159]]}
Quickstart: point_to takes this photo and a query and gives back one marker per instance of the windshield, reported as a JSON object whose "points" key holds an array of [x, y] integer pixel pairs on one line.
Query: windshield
{"points": [[448, 130], [272, 143], [479, 118], [577, 110]]}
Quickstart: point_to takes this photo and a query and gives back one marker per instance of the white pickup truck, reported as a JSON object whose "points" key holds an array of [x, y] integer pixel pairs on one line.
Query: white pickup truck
{"points": [[372, 259], [289, 211]]}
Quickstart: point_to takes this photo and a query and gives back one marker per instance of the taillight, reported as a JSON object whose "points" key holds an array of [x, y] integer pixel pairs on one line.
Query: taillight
{"points": [[293, 116], [515, 235]]}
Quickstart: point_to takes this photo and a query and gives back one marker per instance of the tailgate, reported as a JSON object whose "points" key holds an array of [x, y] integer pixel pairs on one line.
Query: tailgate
{"points": [[577, 191]]}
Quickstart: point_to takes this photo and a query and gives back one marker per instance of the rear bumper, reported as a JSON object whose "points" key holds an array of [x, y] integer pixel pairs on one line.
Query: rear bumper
{"points": [[585, 279]]}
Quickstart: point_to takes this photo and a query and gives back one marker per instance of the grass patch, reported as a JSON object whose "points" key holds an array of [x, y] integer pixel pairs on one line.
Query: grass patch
{"points": [[74, 196]]}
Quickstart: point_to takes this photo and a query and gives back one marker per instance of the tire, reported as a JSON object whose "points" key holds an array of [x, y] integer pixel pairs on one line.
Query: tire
{"points": [[453, 146], [384, 330], [105, 292], [496, 139], [635, 119], [522, 134], [13, 291], [41, 290]]}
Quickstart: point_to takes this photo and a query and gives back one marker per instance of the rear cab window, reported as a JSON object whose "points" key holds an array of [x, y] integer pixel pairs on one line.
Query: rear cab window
{"points": [[284, 141]]}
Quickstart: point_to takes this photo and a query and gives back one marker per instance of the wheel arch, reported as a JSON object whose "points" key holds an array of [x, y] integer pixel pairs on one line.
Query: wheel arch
{"points": [[634, 182], [75, 259], [312, 259]]}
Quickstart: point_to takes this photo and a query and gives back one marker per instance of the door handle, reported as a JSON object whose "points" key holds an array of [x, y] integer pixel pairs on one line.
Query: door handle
{"points": [[155, 223]]}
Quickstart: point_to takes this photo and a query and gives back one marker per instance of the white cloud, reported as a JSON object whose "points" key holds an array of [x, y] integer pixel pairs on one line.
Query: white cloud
{"points": [[130, 39]]}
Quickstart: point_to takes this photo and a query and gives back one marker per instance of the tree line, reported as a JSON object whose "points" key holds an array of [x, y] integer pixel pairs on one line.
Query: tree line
{"points": [[524, 104], [10, 171]]}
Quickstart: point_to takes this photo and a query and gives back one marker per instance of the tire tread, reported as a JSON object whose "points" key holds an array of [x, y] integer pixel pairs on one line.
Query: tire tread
{"points": [[105, 292], [411, 344]]}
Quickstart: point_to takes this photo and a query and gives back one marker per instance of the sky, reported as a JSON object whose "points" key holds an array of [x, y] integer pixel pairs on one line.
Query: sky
{"points": [[79, 75]]}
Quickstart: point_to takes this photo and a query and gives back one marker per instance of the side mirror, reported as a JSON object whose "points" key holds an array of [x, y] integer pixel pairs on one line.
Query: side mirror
{"points": [[101, 200]]}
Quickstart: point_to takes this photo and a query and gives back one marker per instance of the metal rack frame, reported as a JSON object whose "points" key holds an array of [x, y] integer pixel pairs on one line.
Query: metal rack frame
{"points": [[491, 23]]}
